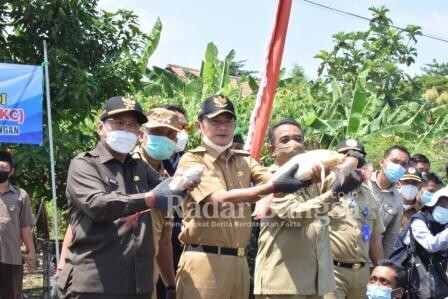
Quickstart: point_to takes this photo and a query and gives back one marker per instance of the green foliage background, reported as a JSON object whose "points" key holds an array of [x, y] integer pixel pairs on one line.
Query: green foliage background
{"points": [[361, 90]]}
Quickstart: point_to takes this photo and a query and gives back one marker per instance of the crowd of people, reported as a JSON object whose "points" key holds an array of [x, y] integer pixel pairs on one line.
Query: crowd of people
{"points": [[131, 234]]}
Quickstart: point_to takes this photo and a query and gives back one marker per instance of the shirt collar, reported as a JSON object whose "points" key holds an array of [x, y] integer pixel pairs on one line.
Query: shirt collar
{"points": [[375, 183], [214, 154], [103, 153], [12, 188]]}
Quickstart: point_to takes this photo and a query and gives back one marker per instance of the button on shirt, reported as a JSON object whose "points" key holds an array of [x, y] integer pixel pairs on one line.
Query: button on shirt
{"points": [[234, 169], [390, 203], [15, 214], [107, 256]]}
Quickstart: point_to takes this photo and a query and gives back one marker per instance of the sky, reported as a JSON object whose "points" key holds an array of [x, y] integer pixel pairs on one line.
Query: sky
{"points": [[245, 26]]}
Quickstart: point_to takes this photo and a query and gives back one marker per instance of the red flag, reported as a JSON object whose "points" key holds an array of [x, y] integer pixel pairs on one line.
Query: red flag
{"points": [[259, 118]]}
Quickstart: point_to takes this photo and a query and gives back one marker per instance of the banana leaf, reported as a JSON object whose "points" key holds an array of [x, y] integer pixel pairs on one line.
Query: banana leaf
{"points": [[357, 105], [151, 45]]}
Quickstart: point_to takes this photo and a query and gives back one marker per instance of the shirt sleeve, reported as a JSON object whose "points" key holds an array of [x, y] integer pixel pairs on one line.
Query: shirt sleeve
{"points": [[87, 191], [426, 239], [26, 213], [259, 173], [210, 181], [391, 233], [295, 208]]}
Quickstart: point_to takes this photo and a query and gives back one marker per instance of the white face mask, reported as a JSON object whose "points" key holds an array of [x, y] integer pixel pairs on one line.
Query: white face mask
{"points": [[121, 141], [182, 140], [218, 148], [409, 191]]}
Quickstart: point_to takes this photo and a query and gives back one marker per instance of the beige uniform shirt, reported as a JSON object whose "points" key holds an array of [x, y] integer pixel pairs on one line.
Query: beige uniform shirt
{"points": [[162, 224], [204, 223], [346, 227], [15, 214], [294, 256]]}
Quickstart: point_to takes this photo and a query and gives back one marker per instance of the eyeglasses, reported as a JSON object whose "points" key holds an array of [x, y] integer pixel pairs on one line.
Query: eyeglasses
{"points": [[118, 124]]}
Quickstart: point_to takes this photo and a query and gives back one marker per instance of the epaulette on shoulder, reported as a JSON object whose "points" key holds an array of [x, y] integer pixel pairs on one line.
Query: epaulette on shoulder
{"points": [[86, 154], [199, 149], [241, 152], [366, 187]]}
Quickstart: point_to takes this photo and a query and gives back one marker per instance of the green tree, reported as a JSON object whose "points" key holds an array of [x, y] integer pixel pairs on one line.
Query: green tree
{"points": [[436, 69], [92, 55], [383, 47]]}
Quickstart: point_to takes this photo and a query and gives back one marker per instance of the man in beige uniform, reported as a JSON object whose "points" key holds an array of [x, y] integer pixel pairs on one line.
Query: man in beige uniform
{"points": [[355, 235], [217, 214], [157, 141], [294, 257]]}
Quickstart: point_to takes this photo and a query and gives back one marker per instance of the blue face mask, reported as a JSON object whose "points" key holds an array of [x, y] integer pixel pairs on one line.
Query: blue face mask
{"points": [[426, 197], [440, 215], [378, 292], [394, 171], [159, 147]]}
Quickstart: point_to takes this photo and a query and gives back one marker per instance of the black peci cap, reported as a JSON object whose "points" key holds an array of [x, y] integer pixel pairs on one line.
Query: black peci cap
{"points": [[350, 144], [215, 105], [118, 104]]}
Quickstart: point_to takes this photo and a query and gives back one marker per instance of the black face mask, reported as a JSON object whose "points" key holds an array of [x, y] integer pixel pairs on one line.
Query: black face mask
{"points": [[4, 176]]}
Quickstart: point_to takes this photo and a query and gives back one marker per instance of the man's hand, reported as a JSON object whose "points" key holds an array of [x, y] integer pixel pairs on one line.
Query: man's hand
{"points": [[262, 207], [30, 260], [358, 155], [164, 197], [287, 183], [344, 185]]}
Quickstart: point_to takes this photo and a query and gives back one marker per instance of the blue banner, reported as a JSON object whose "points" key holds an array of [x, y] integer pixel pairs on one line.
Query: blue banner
{"points": [[21, 93]]}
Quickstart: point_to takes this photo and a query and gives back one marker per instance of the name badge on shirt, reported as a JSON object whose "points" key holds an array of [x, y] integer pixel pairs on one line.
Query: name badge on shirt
{"points": [[112, 181], [365, 232]]}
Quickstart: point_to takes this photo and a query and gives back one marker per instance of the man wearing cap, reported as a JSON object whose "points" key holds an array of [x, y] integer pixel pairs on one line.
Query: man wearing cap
{"points": [[217, 213], [410, 182], [157, 143], [355, 233], [383, 184], [107, 257], [294, 257], [16, 220], [182, 138]]}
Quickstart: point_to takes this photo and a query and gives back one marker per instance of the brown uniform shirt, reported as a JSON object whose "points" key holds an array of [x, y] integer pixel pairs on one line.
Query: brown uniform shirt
{"points": [[15, 214], [106, 255], [346, 226], [206, 225], [294, 254]]}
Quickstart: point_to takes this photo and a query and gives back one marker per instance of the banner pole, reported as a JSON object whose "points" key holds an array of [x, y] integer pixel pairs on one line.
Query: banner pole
{"points": [[52, 162]]}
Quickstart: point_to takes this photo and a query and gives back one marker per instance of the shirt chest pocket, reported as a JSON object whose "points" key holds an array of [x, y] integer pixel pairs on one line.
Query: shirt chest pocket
{"points": [[11, 208], [388, 212], [338, 218]]}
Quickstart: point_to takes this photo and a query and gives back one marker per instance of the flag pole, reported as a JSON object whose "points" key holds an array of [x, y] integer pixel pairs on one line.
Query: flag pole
{"points": [[261, 113], [52, 162]]}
